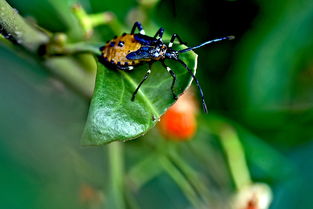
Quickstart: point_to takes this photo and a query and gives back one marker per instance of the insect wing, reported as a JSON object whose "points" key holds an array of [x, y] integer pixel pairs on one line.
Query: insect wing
{"points": [[142, 53], [144, 40]]}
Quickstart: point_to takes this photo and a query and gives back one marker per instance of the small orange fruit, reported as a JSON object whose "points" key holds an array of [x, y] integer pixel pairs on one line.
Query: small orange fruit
{"points": [[179, 122]]}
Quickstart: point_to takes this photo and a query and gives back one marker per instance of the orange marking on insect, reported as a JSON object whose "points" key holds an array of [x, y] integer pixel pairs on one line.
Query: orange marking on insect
{"points": [[118, 53]]}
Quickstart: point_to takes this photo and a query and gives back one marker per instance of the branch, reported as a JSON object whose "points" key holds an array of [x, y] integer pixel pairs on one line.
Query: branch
{"points": [[19, 30]]}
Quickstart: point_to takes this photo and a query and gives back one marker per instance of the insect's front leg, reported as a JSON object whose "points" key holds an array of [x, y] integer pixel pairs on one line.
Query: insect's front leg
{"points": [[175, 36], [140, 28], [159, 34], [143, 80]]}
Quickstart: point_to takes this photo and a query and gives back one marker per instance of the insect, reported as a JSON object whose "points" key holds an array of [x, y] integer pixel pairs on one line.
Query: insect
{"points": [[129, 50]]}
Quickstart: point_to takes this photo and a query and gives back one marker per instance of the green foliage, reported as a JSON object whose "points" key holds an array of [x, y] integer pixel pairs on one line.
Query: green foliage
{"points": [[258, 89], [270, 62]]}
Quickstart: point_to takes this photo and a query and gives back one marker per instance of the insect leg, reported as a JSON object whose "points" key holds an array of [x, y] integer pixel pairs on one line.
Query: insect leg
{"points": [[125, 68], [143, 80], [197, 83], [173, 76], [140, 28], [175, 36], [159, 33]]}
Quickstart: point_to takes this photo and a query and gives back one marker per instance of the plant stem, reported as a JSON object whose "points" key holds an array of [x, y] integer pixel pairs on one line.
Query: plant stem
{"points": [[233, 149], [235, 156], [74, 48], [181, 181], [15, 26], [144, 171], [116, 175], [101, 18], [191, 175], [82, 48], [89, 21]]}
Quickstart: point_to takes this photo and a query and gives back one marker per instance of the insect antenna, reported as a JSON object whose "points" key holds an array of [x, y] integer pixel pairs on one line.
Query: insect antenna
{"points": [[206, 43], [205, 109]]}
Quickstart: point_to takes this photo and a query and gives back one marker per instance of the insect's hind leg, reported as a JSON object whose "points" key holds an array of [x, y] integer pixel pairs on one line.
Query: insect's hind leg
{"points": [[174, 79], [140, 28], [175, 36], [159, 33], [143, 80]]}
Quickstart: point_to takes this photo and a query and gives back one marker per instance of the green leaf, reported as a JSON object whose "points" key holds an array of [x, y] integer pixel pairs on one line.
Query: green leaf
{"points": [[114, 117]]}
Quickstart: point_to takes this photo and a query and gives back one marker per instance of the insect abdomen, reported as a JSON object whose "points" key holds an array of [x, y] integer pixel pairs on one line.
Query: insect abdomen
{"points": [[116, 50]]}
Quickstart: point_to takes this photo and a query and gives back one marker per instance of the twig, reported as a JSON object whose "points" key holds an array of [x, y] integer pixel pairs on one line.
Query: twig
{"points": [[14, 26]]}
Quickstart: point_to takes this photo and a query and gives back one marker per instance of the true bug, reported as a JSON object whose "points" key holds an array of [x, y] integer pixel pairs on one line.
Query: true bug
{"points": [[129, 50]]}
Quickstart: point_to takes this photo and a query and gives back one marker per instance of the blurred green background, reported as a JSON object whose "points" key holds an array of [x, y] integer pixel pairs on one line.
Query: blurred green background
{"points": [[260, 84]]}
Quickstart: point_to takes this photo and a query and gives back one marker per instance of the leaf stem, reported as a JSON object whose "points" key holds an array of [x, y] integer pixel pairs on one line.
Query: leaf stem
{"points": [[116, 162], [16, 28]]}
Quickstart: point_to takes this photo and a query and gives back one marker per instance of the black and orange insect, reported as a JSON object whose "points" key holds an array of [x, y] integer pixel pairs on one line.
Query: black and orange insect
{"points": [[129, 50]]}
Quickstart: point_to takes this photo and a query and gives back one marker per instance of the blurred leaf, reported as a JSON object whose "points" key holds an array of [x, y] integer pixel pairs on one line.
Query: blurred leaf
{"points": [[268, 60], [112, 114], [266, 163], [296, 192], [38, 156], [120, 7]]}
